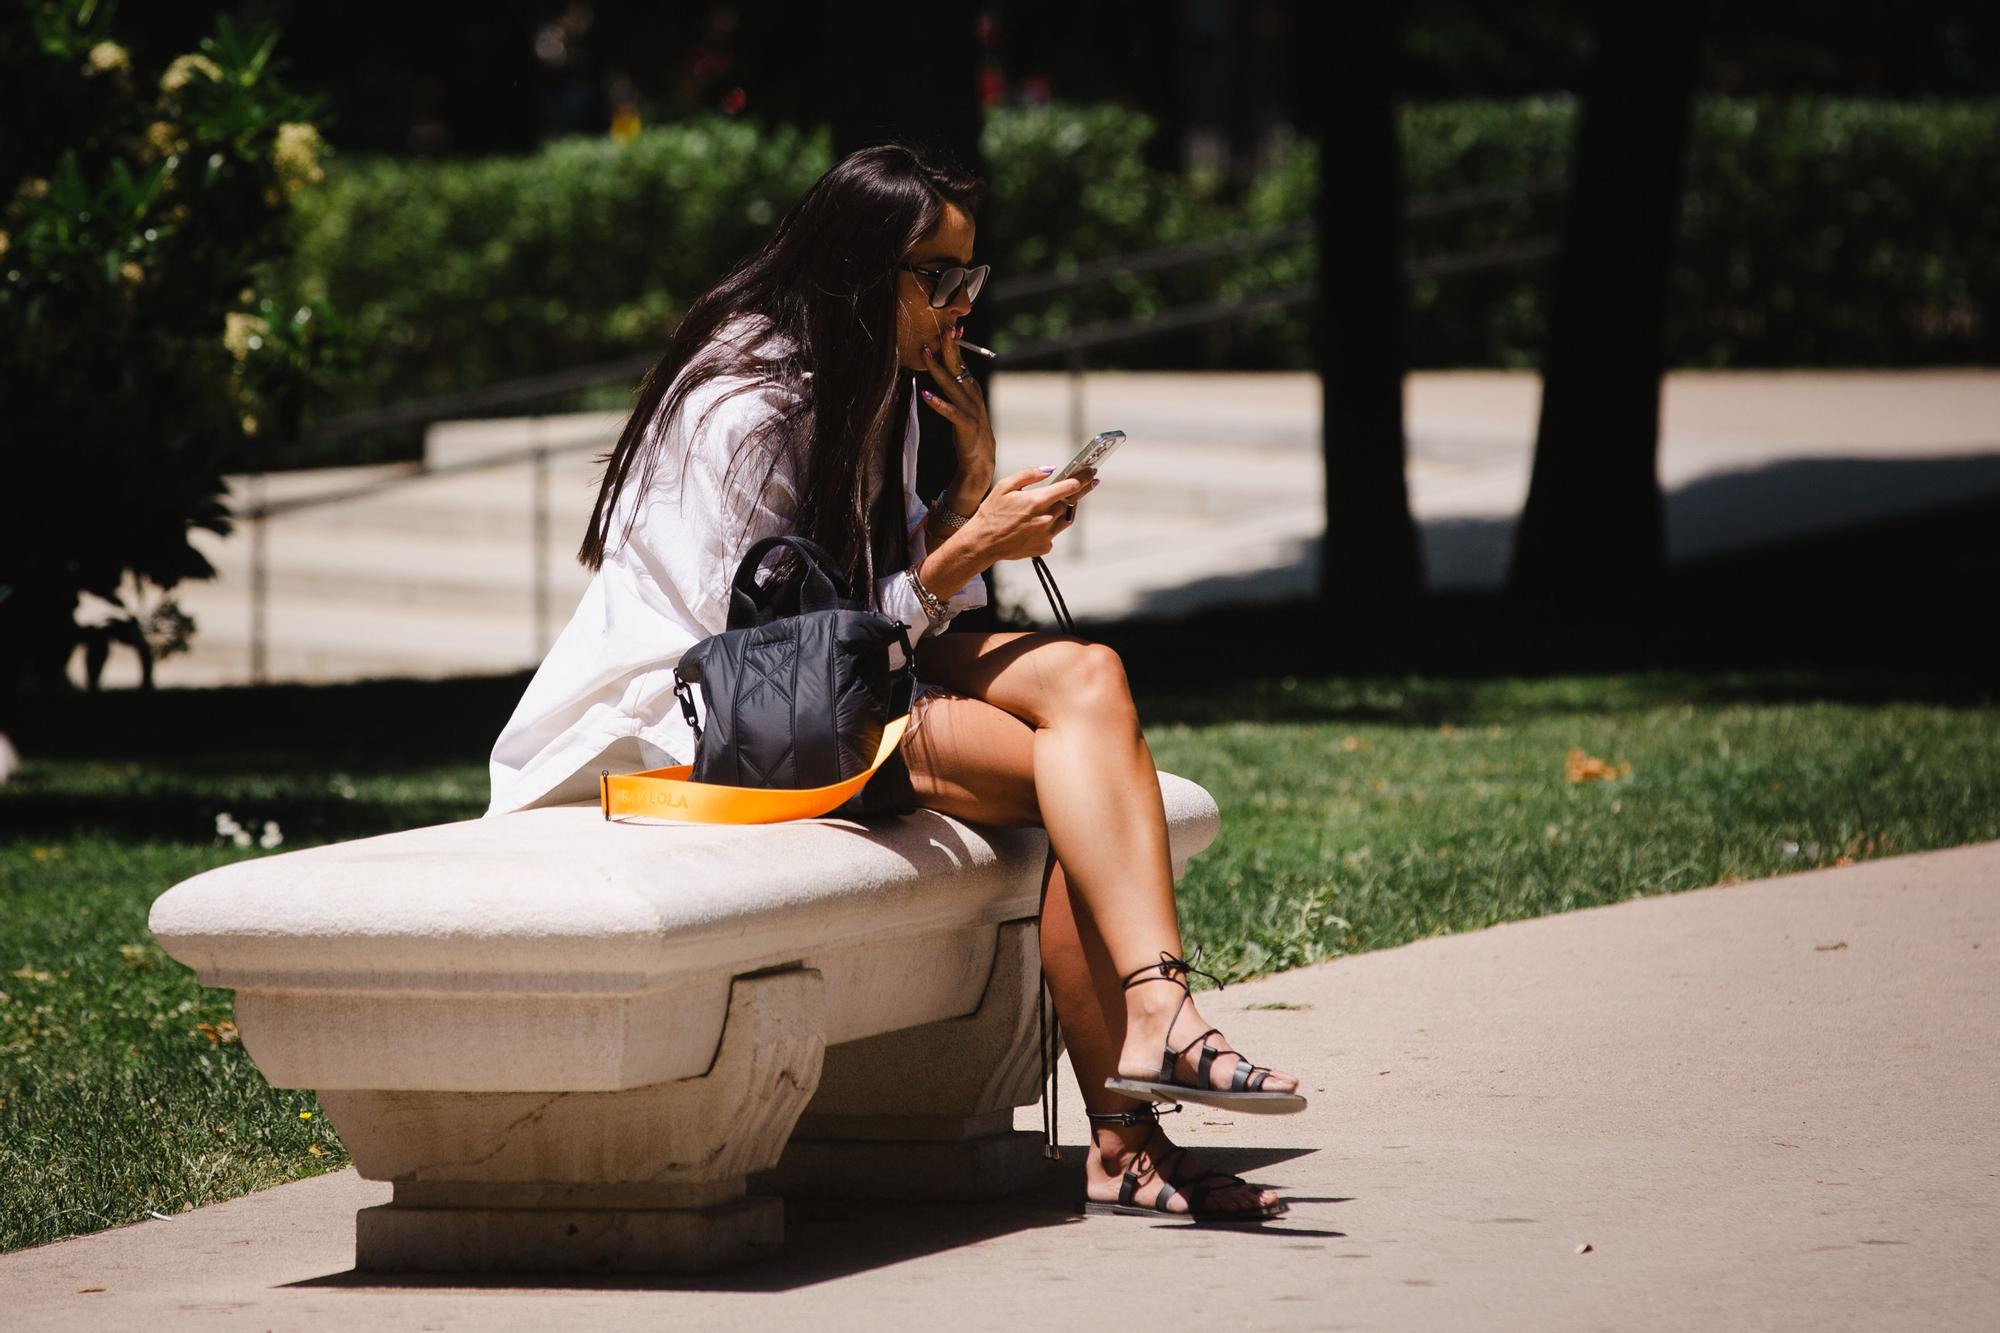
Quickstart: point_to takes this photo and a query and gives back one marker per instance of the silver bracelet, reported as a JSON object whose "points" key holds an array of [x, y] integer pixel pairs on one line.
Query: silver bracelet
{"points": [[936, 612], [952, 521]]}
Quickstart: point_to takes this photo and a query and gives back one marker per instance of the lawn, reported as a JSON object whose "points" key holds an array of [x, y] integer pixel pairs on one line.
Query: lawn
{"points": [[1357, 814]]}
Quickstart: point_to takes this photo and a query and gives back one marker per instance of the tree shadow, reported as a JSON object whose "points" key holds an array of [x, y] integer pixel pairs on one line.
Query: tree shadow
{"points": [[1893, 608]]}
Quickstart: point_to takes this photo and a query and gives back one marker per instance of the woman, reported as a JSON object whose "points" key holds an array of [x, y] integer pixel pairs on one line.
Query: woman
{"points": [[786, 401]]}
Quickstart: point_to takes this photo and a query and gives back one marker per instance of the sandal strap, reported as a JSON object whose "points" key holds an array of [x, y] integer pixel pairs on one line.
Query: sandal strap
{"points": [[1170, 968], [1248, 1077], [1208, 1054], [1138, 1115]]}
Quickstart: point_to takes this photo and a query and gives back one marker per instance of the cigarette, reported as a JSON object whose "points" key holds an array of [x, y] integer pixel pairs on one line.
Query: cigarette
{"points": [[986, 352]]}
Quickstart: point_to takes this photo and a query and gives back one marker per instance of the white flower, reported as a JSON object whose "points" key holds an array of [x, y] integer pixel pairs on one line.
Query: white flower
{"points": [[1791, 849], [185, 68], [164, 138], [106, 57], [271, 837], [241, 837], [243, 334], [226, 825], [295, 154]]}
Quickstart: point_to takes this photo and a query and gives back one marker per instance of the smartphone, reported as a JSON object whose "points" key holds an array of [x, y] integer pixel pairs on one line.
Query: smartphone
{"points": [[1088, 457]]}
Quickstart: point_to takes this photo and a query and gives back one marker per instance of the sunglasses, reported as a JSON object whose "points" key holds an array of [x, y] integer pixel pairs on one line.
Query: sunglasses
{"points": [[947, 283]]}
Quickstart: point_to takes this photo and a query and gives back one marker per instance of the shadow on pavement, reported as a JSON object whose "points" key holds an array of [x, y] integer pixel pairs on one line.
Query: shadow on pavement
{"points": [[1897, 609], [827, 1239]]}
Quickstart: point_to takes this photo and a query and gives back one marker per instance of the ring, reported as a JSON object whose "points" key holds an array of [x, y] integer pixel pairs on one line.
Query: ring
{"points": [[959, 378], [1069, 513]]}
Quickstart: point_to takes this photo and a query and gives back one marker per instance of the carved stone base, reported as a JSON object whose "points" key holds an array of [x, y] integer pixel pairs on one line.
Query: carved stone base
{"points": [[928, 1112], [648, 1179]]}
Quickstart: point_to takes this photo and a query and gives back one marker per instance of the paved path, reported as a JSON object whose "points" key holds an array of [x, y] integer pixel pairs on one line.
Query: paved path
{"points": [[1217, 498], [1772, 1105]]}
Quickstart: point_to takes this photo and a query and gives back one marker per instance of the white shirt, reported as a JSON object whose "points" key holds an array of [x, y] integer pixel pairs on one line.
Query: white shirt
{"points": [[604, 695]]}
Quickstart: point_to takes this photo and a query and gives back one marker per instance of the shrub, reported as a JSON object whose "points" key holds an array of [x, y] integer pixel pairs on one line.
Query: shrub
{"points": [[458, 274], [139, 356], [1816, 232]]}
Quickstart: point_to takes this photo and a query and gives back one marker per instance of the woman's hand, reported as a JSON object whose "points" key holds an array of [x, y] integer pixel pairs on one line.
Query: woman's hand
{"points": [[958, 399], [1015, 523], [1012, 523]]}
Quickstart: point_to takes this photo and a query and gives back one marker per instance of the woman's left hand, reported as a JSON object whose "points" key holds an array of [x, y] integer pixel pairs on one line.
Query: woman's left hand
{"points": [[958, 399]]}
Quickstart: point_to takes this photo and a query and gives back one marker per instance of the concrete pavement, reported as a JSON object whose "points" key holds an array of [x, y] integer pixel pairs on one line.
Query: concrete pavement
{"points": [[1770, 1105]]}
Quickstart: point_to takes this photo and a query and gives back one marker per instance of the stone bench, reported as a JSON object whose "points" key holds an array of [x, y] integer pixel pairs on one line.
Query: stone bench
{"points": [[571, 1044]]}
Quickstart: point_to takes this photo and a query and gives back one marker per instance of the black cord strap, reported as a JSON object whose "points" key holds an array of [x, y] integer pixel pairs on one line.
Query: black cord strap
{"points": [[1047, 1026]]}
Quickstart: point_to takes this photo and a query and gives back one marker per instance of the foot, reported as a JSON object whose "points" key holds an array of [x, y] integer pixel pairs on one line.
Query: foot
{"points": [[1145, 1151], [1169, 1017]]}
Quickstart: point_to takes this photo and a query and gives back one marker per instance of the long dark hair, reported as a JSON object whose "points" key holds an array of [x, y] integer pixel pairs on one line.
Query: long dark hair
{"points": [[825, 283]]}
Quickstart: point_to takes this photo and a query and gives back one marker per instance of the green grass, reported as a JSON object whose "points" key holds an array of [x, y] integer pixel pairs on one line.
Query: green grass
{"points": [[1357, 814]]}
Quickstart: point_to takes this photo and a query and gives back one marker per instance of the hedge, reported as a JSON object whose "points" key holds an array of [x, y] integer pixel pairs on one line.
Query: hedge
{"points": [[1816, 233]]}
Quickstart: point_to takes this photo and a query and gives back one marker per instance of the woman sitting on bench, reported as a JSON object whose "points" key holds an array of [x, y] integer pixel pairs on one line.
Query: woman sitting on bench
{"points": [[787, 402]]}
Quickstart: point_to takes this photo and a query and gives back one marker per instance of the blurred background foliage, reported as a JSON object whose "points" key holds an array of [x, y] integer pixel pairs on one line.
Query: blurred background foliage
{"points": [[144, 341], [1818, 232]]}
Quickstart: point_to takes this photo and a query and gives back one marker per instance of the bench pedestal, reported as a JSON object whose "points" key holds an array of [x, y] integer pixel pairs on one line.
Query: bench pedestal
{"points": [[928, 1112], [648, 1179]]}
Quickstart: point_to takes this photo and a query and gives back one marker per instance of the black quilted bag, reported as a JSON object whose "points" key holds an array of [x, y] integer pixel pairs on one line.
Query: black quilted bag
{"points": [[798, 690]]}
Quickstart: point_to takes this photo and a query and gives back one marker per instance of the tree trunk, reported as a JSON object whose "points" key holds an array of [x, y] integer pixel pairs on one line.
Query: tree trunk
{"points": [[1594, 520], [1371, 550]]}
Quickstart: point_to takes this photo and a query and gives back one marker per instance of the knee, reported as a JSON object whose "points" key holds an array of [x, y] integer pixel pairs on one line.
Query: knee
{"points": [[1095, 682]]}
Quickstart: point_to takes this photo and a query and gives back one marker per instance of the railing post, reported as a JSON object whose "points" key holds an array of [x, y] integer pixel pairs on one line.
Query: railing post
{"points": [[260, 591], [539, 469], [1078, 433]]}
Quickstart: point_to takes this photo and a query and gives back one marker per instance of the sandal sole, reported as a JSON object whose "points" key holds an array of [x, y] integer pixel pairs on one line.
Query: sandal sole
{"points": [[1250, 1103], [1094, 1208]]}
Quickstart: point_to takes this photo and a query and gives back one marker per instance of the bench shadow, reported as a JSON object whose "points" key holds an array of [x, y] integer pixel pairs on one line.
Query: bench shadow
{"points": [[826, 1240]]}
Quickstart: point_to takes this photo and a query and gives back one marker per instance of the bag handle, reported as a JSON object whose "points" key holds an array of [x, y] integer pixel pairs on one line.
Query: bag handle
{"points": [[666, 793], [821, 587]]}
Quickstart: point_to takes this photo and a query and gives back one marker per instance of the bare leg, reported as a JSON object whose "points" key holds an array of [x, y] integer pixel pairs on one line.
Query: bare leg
{"points": [[1091, 1005], [982, 762], [1097, 794]]}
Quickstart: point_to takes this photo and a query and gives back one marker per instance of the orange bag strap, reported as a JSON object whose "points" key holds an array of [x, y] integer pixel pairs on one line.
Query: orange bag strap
{"points": [[666, 793]]}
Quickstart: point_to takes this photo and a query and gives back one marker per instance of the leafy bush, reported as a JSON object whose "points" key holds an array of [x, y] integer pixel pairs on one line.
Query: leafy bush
{"points": [[1817, 232], [458, 274], [138, 354]]}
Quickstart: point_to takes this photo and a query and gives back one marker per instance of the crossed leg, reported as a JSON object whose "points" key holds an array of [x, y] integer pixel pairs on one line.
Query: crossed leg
{"points": [[1040, 729]]}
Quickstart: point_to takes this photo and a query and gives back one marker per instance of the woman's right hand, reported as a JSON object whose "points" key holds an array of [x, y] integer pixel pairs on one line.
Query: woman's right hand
{"points": [[1013, 523]]}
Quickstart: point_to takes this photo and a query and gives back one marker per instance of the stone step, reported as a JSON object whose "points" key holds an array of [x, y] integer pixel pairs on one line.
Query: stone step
{"points": [[341, 638], [403, 569]]}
